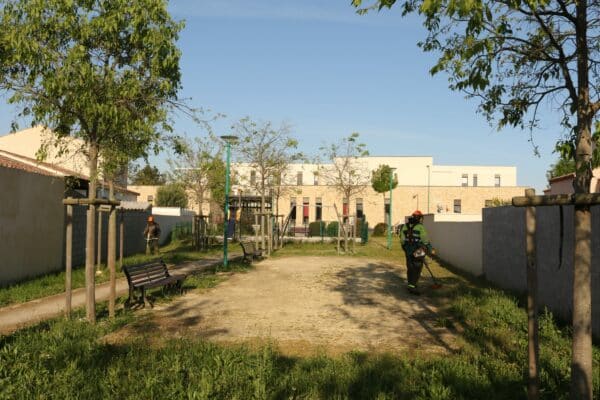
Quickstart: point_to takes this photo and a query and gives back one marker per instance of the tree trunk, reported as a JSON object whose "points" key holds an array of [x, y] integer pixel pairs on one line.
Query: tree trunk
{"points": [[90, 289], [581, 364], [112, 251]]}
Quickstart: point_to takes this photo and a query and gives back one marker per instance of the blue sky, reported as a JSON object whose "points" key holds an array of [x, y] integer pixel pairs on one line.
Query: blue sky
{"points": [[328, 72]]}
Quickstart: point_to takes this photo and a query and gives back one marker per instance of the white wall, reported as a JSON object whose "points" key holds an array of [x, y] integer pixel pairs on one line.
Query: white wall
{"points": [[168, 217], [457, 242]]}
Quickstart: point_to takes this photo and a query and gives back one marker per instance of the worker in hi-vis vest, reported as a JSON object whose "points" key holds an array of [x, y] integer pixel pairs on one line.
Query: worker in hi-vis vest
{"points": [[416, 245]]}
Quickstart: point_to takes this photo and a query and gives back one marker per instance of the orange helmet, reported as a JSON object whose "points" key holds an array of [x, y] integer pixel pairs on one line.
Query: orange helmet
{"points": [[417, 213], [151, 219]]}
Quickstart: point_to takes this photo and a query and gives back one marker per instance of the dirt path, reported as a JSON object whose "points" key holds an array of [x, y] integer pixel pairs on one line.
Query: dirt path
{"points": [[307, 303]]}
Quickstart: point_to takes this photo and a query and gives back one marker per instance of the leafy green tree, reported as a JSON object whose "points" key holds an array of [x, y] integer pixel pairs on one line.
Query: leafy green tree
{"points": [[147, 176], [380, 180], [103, 71], [200, 168], [171, 195], [561, 167], [515, 56]]}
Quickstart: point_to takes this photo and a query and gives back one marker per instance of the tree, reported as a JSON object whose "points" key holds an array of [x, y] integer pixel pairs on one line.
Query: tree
{"points": [[105, 72], [267, 150], [147, 176], [171, 195], [380, 180], [561, 167], [515, 56], [343, 169], [200, 168]]}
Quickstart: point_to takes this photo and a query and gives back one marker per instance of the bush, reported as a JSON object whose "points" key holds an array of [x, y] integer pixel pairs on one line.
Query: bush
{"points": [[363, 230], [171, 195], [380, 229], [182, 231], [316, 228], [332, 229]]}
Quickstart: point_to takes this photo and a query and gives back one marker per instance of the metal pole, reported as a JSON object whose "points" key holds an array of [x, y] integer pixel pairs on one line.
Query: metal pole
{"points": [[389, 238], [68, 261], [225, 261]]}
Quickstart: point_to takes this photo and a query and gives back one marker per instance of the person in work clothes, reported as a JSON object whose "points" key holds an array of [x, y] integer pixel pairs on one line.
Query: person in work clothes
{"points": [[152, 234], [415, 243]]}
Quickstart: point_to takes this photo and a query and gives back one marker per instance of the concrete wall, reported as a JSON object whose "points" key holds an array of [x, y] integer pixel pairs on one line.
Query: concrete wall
{"points": [[504, 259], [457, 242], [168, 217], [134, 224], [31, 224]]}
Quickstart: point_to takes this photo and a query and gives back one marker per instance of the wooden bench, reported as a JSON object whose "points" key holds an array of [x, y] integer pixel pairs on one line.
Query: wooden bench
{"points": [[150, 275], [250, 251]]}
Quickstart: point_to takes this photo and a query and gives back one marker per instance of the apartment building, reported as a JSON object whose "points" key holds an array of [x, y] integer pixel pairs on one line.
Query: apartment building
{"points": [[423, 185]]}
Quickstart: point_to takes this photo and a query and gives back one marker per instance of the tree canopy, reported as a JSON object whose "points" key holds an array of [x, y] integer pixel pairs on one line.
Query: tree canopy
{"points": [[147, 175], [200, 168], [268, 149], [381, 177], [171, 195], [342, 169]]}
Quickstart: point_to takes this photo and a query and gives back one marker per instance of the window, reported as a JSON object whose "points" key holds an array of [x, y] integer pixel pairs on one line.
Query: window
{"points": [[464, 180], [305, 209], [359, 208], [386, 208], [496, 180], [318, 209], [489, 203], [474, 179], [316, 176], [299, 179], [252, 178], [457, 207], [150, 198]]}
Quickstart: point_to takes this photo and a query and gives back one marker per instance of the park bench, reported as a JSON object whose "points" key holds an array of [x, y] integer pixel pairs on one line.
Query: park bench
{"points": [[150, 275], [250, 251]]}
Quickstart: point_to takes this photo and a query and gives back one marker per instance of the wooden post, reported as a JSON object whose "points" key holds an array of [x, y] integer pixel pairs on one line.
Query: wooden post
{"points": [[533, 383], [99, 239], [121, 239], [68, 261], [269, 234], [112, 252]]}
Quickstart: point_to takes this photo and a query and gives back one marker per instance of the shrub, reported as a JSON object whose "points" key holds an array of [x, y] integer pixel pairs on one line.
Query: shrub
{"points": [[332, 229], [316, 228], [380, 229], [171, 195]]}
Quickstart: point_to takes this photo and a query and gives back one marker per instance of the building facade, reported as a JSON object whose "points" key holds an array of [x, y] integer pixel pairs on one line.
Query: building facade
{"points": [[433, 189]]}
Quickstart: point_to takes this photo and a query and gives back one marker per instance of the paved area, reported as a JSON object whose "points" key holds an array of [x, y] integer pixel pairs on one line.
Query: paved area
{"points": [[21, 315]]}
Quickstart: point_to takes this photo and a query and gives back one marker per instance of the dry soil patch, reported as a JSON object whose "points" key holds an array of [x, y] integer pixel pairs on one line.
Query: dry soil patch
{"points": [[304, 304]]}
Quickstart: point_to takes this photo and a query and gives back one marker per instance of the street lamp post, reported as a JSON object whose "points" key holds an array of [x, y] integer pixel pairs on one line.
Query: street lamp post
{"points": [[228, 140], [389, 241], [428, 185]]}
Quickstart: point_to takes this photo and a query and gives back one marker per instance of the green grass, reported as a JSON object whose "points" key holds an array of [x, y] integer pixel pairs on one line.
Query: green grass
{"points": [[51, 284], [71, 359]]}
